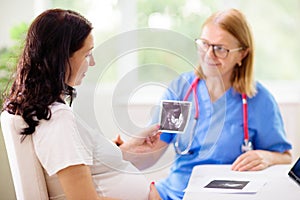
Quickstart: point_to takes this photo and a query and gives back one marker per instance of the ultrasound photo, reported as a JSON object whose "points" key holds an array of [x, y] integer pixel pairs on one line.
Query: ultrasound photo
{"points": [[174, 116], [227, 184]]}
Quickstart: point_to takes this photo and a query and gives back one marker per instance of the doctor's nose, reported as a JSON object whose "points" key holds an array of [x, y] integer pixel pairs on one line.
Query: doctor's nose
{"points": [[210, 51]]}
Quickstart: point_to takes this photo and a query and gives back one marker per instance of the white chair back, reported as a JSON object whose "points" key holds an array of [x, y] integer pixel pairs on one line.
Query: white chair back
{"points": [[26, 170]]}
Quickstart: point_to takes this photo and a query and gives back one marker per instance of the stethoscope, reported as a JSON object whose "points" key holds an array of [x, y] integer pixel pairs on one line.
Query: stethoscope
{"points": [[246, 146]]}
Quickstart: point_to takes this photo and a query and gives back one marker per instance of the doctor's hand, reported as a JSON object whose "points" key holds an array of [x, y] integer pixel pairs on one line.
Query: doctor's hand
{"points": [[144, 151], [255, 160]]}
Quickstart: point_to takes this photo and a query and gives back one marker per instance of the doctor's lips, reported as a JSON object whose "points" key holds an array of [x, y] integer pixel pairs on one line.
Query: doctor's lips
{"points": [[211, 63]]}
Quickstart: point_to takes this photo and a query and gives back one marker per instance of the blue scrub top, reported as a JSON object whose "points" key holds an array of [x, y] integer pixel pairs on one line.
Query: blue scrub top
{"points": [[219, 133]]}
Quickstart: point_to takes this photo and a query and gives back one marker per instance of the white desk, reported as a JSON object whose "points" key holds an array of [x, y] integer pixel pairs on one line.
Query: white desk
{"points": [[278, 185]]}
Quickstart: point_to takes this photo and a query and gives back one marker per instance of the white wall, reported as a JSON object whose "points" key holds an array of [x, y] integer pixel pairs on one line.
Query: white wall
{"points": [[291, 116], [13, 12]]}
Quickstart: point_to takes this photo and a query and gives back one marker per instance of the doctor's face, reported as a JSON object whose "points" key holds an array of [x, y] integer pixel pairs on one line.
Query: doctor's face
{"points": [[219, 51]]}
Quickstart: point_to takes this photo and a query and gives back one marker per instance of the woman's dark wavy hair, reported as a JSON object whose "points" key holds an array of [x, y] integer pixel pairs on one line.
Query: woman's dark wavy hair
{"points": [[39, 81]]}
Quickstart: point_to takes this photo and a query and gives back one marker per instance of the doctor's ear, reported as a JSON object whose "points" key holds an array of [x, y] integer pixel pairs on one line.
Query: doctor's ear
{"points": [[244, 53]]}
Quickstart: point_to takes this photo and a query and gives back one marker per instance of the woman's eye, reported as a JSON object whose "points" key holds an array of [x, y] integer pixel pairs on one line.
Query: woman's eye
{"points": [[89, 54]]}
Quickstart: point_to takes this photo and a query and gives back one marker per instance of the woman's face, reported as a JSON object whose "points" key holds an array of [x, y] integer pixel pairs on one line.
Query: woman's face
{"points": [[80, 61], [211, 64]]}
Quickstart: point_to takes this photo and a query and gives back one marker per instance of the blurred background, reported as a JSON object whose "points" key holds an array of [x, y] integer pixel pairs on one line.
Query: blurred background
{"points": [[275, 25]]}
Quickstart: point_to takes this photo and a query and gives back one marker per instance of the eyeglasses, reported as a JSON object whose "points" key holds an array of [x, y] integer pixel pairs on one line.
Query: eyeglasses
{"points": [[218, 50]]}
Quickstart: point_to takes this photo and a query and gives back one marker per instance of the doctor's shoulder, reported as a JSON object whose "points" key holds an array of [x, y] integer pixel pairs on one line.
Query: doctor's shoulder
{"points": [[181, 82], [263, 95], [185, 78]]}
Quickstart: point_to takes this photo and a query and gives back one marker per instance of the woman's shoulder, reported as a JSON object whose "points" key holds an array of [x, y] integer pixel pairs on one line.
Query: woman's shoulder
{"points": [[60, 112], [57, 106]]}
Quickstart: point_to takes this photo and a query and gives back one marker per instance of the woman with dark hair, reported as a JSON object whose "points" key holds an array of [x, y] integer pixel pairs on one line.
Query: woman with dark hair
{"points": [[56, 56]]}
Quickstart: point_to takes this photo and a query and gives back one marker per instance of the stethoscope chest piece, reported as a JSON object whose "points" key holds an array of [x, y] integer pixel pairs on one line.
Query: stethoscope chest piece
{"points": [[247, 146]]}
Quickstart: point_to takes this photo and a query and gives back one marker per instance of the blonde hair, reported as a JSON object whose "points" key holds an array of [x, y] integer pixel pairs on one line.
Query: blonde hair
{"points": [[235, 23]]}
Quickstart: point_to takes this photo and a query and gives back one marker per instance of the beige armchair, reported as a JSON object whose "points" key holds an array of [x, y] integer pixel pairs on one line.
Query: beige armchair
{"points": [[27, 173]]}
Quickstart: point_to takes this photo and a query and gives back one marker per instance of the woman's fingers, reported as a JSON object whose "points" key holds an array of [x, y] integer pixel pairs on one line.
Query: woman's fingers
{"points": [[118, 141]]}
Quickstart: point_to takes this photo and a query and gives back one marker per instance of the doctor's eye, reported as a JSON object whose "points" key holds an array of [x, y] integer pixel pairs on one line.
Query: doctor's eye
{"points": [[202, 44], [220, 49]]}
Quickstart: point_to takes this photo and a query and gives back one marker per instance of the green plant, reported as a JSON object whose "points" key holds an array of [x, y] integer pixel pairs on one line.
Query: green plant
{"points": [[9, 57]]}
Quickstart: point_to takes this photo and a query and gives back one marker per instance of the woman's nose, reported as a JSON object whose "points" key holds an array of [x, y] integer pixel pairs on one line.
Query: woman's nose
{"points": [[92, 61]]}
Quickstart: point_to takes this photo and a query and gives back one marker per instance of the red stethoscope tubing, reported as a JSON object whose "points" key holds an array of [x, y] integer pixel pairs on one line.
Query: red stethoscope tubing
{"points": [[245, 117], [194, 88], [244, 101]]}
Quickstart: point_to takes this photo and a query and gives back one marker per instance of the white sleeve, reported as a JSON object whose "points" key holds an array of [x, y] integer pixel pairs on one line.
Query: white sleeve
{"points": [[58, 144]]}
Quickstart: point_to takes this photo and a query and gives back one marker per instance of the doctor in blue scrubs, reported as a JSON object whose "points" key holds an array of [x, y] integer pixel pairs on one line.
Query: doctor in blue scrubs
{"points": [[234, 120]]}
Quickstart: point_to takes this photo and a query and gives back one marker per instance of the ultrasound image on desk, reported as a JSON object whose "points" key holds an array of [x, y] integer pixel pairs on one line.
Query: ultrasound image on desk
{"points": [[227, 184]]}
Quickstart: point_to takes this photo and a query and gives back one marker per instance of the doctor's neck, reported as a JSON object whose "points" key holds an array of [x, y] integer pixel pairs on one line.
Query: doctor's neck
{"points": [[217, 87]]}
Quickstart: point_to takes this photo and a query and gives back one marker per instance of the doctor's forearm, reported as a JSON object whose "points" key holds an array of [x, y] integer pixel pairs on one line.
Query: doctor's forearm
{"points": [[140, 161], [143, 158], [280, 158]]}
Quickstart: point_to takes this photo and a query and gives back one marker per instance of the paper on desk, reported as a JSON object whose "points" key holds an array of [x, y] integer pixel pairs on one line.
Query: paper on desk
{"points": [[225, 185]]}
